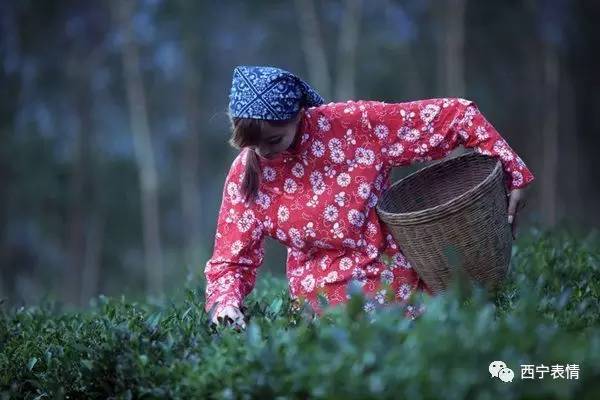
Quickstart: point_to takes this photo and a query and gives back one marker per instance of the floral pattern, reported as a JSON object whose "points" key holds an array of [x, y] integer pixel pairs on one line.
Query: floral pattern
{"points": [[318, 199]]}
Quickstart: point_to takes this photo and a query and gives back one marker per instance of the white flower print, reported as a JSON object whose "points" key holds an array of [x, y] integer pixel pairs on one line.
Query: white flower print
{"points": [[257, 232], [349, 136], [380, 296], [483, 151], [297, 271], [346, 263], [225, 282], [308, 283], [351, 165], [343, 179], [304, 138], [387, 276], [330, 213], [517, 178], [520, 162], [245, 222], [421, 149], [404, 291], [324, 263], [372, 269], [268, 224], [231, 216], [413, 135], [335, 144], [331, 277], [377, 182], [234, 193], [290, 186], [408, 116], [336, 230], [314, 201], [350, 243], [372, 200], [323, 124], [281, 234], [283, 213], [349, 109], [340, 199], [323, 244], [236, 247], [363, 190], [337, 156], [505, 154], [481, 133], [371, 229], [435, 139], [298, 170], [319, 187], [263, 200], [381, 131], [309, 230], [298, 242], [315, 177], [395, 150], [269, 174], [359, 274], [329, 171], [356, 218], [364, 156], [318, 148], [501, 148], [294, 233], [400, 261], [372, 251], [429, 112], [245, 261], [464, 102], [369, 306]]}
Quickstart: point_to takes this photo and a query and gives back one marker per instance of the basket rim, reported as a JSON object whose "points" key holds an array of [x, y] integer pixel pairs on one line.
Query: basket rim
{"points": [[438, 210]]}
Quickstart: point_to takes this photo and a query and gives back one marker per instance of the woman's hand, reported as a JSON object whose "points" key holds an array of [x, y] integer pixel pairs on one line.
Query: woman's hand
{"points": [[516, 203], [230, 315]]}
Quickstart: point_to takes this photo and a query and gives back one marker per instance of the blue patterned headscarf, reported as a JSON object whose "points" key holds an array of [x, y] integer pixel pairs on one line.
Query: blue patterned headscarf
{"points": [[270, 93]]}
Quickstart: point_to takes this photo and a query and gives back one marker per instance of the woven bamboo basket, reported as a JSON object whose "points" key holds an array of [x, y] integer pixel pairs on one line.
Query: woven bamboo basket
{"points": [[449, 215]]}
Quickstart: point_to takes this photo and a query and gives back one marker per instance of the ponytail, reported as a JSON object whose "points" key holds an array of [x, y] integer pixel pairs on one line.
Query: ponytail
{"points": [[251, 179], [246, 132]]}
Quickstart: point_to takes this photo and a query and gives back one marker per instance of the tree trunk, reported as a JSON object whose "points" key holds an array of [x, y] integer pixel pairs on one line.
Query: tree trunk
{"points": [[314, 50], [143, 151], [191, 201], [451, 57], [93, 253], [451, 71], [549, 117], [78, 74], [345, 88]]}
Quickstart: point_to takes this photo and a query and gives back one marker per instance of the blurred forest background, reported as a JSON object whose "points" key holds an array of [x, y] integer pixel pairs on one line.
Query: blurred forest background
{"points": [[113, 125]]}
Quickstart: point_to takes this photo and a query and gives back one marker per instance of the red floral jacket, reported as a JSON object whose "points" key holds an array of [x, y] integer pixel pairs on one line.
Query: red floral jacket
{"points": [[318, 199]]}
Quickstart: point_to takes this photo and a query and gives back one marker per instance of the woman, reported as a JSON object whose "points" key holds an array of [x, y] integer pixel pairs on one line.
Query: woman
{"points": [[309, 175]]}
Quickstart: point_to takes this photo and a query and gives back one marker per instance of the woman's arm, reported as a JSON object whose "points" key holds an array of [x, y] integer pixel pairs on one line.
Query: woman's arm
{"points": [[429, 129], [238, 252]]}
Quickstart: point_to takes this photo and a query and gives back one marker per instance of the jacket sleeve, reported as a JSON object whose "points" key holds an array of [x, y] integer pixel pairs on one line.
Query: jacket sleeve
{"points": [[429, 129], [238, 248]]}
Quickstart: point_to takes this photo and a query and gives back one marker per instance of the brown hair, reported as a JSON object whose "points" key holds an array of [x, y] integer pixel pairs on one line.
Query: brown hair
{"points": [[247, 132]]}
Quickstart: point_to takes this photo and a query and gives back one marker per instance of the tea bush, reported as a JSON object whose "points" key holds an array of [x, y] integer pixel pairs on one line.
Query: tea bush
{"points": [[547, 313]]}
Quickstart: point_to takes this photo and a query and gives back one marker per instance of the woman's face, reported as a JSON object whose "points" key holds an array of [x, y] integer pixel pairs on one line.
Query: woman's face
{"points": [[277, 137]]}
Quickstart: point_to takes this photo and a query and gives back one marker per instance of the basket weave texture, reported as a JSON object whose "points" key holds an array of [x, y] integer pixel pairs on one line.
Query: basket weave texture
{"points": [[452, 215]]}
